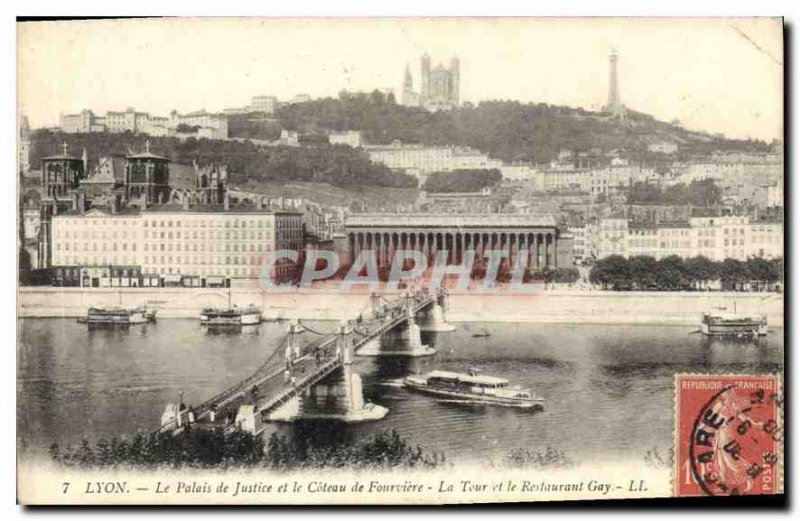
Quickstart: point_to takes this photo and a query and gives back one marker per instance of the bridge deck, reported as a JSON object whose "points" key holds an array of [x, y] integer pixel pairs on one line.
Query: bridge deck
{"points": [[277, 381]]}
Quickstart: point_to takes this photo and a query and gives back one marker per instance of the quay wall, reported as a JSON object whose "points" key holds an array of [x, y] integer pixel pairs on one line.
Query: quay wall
{"points": [[557, 306]]}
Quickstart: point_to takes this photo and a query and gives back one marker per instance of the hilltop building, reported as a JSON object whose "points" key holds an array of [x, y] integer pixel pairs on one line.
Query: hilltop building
{"points": [[439, 87], [208, 125]]}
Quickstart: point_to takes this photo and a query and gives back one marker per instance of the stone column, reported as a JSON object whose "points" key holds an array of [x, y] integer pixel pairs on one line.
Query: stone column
{"points": [[538, 242], [547, 240]]}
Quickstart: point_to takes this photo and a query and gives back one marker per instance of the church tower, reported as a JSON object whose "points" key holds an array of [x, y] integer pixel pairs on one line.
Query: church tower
{"points": [[455, 80], [425, 78]]}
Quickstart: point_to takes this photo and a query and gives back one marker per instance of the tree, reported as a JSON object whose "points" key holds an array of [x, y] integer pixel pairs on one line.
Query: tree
{"points": [[611, 271], [671, 274], [733, 274], [642, 270], [462, 180], [760, 271], [700, 271]]}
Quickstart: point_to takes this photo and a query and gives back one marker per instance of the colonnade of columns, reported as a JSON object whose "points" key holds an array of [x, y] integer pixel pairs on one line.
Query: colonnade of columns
{"points": [[541, 246]]}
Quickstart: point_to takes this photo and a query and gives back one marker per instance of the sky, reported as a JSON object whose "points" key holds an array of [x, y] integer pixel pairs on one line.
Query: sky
{"points": [[718, 75]]}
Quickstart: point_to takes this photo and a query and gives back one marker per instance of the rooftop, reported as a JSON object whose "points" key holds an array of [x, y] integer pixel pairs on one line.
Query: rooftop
{"points": [[450, 220], [105, 211], [147, 154], [478, 379]]}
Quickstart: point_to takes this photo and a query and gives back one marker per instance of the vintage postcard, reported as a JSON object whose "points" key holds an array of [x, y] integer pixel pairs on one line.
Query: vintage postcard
{"points": [[400, 261]]}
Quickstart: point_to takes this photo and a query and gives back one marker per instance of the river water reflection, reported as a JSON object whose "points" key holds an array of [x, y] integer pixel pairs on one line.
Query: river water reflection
{"points": [[607, 389]]}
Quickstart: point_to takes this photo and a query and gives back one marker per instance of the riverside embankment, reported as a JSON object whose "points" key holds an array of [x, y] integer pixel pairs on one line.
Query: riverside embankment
{"points": [[555, 306]]}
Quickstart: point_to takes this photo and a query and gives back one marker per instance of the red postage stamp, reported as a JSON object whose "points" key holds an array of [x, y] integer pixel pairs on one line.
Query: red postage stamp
{"points": [[728, 435]]}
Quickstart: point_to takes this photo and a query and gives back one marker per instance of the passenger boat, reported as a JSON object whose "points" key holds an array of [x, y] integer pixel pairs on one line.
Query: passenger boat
{"points": [[720, 324], [231, 316], [473, 388], [118, 316]]}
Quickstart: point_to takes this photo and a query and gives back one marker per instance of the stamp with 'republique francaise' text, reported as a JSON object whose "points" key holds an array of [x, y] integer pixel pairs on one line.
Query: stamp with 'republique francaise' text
{"points": [[728, 435]]}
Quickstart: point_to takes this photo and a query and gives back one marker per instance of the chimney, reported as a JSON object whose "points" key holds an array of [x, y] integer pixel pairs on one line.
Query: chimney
{"points": [[186, 202], [81, 202], [227, 201], [259, 203], [114, 203]]}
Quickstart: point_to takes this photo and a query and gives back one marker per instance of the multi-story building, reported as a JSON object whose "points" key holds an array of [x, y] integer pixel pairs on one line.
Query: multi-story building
{"points": [[422, 159], [518, 172], [348, 137], [216, 125], [675, 238], [213, 126], [82, 123], [609, 236], [766, 238], [266, 104], [663, 147], [175, 241], [580, 246], [643, 240], [712, 236]]}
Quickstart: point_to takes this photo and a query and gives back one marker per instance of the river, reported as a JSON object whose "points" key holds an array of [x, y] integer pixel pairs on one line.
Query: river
{"points": [[607, 388]]}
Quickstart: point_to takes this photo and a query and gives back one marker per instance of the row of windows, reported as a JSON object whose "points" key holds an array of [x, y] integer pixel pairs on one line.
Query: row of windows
{"points": [[93, 221], [94, 234], [103, 246], [210, 247], [236, 223], [202, 235], [91, 260], [252, 260], [733, 242], [168, 223]]}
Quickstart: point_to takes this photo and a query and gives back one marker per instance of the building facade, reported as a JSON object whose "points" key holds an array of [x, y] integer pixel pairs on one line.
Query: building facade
{"points": [[170, 241], [266, 104], [457, 233], [212, 126], [348, 137], [714, 237], [422, 159]]}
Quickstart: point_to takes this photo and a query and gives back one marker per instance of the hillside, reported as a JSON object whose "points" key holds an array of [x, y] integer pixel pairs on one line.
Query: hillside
{"points": [[506, 130], [339, 166]]}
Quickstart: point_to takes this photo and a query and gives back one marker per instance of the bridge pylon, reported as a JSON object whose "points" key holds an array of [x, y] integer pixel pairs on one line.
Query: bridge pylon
{"points": [[436, 317], [293, 346], [339, 396]]}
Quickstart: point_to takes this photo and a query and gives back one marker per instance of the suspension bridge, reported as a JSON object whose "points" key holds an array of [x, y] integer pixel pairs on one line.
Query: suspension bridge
{"points": [[319, 367]]}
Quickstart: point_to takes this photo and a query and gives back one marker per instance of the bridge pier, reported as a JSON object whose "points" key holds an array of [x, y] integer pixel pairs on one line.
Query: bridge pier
{"points": [[411, 341], [337, 397], [436, 317]]}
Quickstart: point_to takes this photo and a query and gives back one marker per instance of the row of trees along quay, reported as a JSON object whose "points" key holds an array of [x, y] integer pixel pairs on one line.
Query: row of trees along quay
{"points": [[698, 273]]}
